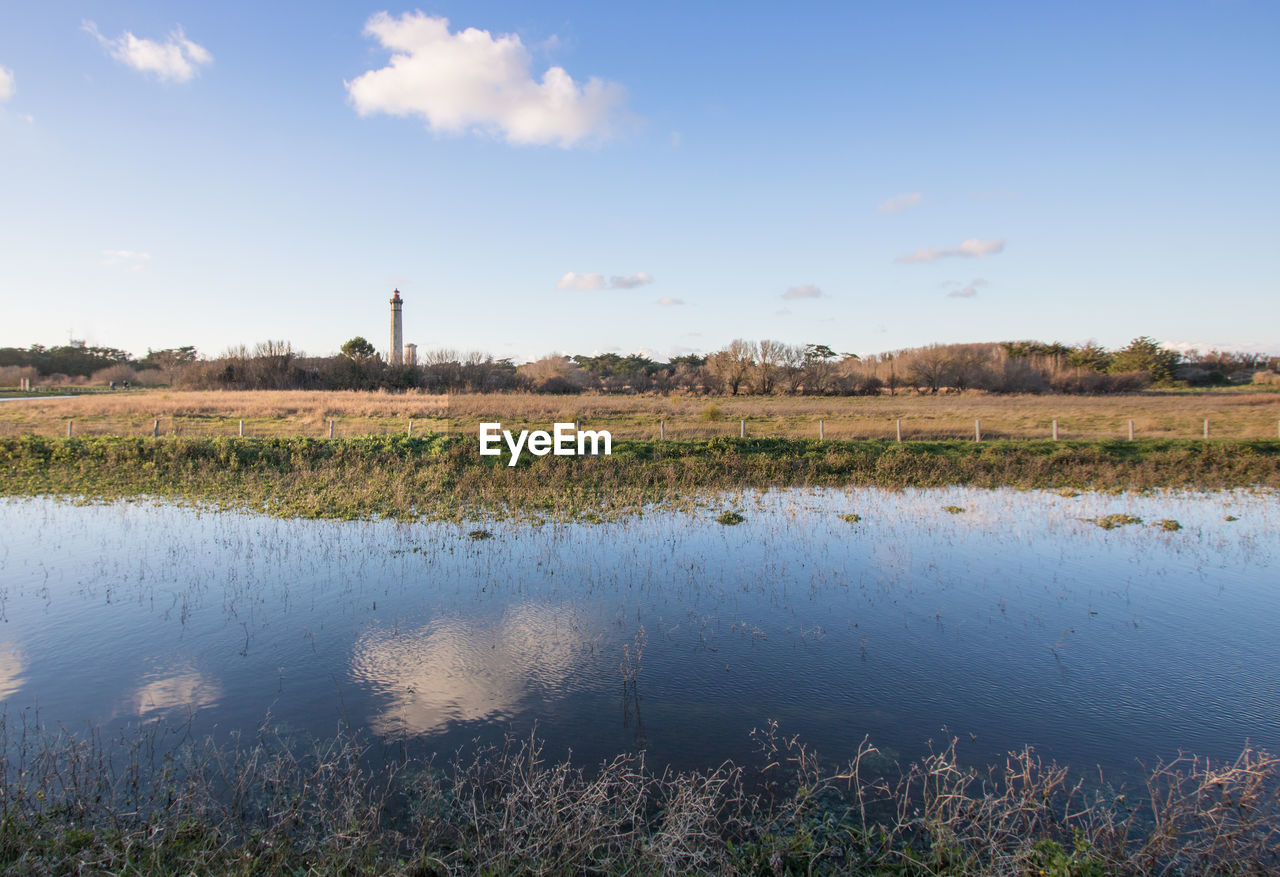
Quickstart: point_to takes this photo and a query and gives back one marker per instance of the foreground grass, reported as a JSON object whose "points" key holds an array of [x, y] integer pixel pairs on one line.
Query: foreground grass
{"points": [[269, 805], [445, 478]]}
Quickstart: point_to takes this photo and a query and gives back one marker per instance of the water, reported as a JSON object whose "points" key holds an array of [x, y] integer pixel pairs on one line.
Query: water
{"points": [[1015, 622]]}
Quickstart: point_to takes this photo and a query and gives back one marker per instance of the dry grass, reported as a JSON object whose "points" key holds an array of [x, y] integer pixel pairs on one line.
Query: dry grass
{"points": [[1232, 414], [270, 806]]}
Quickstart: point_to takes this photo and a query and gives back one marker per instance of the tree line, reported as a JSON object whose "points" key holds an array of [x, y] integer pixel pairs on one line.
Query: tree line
{"points": [[742, 367]]}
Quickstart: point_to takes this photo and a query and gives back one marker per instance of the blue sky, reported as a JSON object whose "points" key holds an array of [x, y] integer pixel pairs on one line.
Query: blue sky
{"points": [[665, 177]]}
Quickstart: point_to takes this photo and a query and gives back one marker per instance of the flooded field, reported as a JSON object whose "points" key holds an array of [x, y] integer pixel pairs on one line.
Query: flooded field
{"points": [[1005, 618]]}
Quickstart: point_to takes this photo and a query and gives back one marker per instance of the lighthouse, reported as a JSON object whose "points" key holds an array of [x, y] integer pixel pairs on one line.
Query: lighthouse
{"points": [[397, 330]]}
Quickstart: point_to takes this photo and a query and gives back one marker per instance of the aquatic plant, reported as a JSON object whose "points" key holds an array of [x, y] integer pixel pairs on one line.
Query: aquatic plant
{"points": [[1110, 522], [851, 517], [730, 519], [1168, 524], [275, 805], [953, 509]]}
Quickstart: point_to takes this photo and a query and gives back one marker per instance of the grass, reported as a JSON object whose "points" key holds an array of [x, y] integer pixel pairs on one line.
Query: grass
{"points": [[1119, 519], [1239, 413], [272, 805], [445, 478]]}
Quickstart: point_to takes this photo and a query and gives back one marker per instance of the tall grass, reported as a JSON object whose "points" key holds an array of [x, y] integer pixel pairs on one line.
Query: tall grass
{"points": [[272, 805]]}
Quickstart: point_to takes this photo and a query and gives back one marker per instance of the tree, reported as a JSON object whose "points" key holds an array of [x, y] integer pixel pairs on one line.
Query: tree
{"points": [[1145, 354], [1089, 356], [358, 349], [932, 367], [730, 366]]}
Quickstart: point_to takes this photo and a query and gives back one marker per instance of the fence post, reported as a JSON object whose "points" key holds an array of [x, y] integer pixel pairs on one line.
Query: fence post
{"points": [[662, 430], [155, 429], [410, 428], [977, 430], [742, 429], [330, 429], [899, 430], [1055, 430], [70, 428], [242, 429], [1130, 430], [1206, 428], [822, 430]]}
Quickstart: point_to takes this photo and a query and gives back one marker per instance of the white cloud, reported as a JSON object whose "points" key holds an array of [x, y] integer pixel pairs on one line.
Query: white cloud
{"points": [[630, 281], [808, 290], [178, 59], [969, 249], [667, 301], [900, 203], [472, 81], [963, 290], [574, 280], [7, 87], [128, 259]]}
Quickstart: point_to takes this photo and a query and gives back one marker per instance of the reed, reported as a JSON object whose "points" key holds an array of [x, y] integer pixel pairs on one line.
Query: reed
{"points": [[140, 805]]}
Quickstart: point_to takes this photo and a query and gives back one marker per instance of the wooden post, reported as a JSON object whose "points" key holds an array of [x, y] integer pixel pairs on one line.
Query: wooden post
{"points": [[242, 429], [662, 430], [822, 430], [1130, 430], [1206, 428], [1055, 430], [742, 429], [330, 429], [155, 429], [70, 428], [410, 429], [977, 430], [899, 430]]}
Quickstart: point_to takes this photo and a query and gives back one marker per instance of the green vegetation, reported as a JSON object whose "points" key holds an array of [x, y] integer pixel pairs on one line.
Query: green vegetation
{"points": [[851, 518], [1110, 522], [953, 509], [1168, 524], [275, 806], [730, 519], [440, 477]]}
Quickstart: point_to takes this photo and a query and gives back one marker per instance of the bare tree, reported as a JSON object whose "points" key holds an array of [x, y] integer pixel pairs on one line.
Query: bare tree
{"points": [[731, 366], [769, 358]]}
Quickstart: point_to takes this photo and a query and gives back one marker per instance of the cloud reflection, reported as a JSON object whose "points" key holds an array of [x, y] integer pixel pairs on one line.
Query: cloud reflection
{"points": [[455, 670], [187, 690], [13, 665]]}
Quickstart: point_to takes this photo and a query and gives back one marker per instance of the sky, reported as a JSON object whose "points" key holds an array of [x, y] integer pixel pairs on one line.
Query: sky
{"points": [[639, 177]]}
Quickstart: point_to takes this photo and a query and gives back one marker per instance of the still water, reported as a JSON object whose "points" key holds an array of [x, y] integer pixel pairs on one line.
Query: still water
{"points": [[1016, 621]]}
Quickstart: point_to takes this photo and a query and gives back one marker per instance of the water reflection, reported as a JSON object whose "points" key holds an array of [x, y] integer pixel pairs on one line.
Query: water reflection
{"points": [[13, 665], [894, 625], [457, 670], [184, 691]]}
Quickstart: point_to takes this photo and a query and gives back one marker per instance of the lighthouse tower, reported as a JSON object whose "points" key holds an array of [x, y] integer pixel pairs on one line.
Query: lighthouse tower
{"points": [[397, 330]]}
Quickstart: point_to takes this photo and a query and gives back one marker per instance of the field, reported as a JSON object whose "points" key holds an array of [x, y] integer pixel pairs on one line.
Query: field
{"points": [[1240, 414]]}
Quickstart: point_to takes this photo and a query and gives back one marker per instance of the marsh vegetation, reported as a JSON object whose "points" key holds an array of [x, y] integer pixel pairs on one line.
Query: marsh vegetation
{"points": [[379, 697]]}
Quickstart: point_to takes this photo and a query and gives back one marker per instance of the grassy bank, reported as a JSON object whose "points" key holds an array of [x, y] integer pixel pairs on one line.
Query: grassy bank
{"points": [[441, 477], [270, 805]]}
